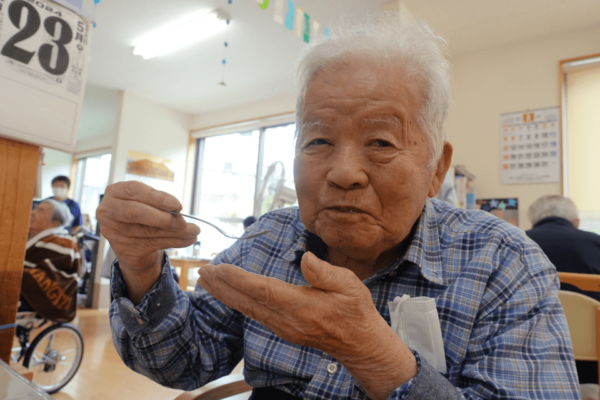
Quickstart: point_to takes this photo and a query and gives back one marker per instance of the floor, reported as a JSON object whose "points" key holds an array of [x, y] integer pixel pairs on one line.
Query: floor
{"points": [[102, 374]]}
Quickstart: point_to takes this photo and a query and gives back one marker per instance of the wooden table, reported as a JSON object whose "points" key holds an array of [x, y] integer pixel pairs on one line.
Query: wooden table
{"points": [[185, 264]]}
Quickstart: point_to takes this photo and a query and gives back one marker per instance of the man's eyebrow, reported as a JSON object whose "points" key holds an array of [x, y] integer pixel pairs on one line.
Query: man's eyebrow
{"points": [[391, 120], [307, 126]]}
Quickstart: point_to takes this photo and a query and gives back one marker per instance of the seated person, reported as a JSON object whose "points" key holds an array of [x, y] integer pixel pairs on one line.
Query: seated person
{"points": [[555, 221], [49, 285], [307, 306]]}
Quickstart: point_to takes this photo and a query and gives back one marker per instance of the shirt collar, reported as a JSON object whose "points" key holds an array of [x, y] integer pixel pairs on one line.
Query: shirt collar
{"points": [[555, 221], [424, 249], [306, 241]]}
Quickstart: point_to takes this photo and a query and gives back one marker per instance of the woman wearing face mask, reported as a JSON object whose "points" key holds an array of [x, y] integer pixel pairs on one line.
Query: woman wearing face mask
{"points": [[60, 187]]}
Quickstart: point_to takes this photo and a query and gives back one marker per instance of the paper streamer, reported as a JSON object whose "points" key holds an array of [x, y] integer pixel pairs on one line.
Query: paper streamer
{"points": [[289, 18], [306, 28], [279, 12], [295, 19], [315, 29], [299, 22]]}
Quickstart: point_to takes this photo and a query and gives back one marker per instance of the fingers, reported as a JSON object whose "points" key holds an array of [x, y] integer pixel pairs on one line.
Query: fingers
{"points": [[132, 212], [136, 203], [137, 191], [144, 231], [232, 297], [271, 292], [322, 275]]}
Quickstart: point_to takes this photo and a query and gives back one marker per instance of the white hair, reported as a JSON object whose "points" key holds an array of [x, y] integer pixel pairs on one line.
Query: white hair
{"points": [[552, 206], [388, 40], [60, 212]]}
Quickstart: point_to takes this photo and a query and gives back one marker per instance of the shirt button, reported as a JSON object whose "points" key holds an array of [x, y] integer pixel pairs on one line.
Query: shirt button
{"points": [[393, 273], [140, 321], [332, 368]]}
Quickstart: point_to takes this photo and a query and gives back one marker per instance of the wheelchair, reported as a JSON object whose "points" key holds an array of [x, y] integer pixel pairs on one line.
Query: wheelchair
{"points": [[55, 354]]}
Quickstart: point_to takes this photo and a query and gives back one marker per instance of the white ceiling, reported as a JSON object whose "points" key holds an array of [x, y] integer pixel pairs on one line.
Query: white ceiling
{"points": [[474, 25], [262, 53]]}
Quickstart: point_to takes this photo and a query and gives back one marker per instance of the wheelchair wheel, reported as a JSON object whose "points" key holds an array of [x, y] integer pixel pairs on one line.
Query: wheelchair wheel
{"points": [[55, 356]]}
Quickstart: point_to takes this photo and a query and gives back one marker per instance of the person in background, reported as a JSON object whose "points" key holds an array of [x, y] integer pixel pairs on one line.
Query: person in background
{"points": [[60, 188], [555, 221], [49, 284], [249, 221]]}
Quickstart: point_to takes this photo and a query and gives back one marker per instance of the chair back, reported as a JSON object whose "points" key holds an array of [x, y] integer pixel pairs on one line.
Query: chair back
{"points": [[222, 388], [583, 318], [585, 282]]}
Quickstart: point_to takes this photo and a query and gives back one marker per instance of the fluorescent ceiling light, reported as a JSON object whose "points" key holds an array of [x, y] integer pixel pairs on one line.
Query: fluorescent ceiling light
{"points": [[180, 34]]}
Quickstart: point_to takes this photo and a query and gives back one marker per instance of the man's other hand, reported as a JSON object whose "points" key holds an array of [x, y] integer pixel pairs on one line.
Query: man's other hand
{"points": [[335, 314]]}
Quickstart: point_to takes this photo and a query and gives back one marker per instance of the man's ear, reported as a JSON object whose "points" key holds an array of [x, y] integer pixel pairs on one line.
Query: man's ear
{"points": [[54, 224], [441, 170]]}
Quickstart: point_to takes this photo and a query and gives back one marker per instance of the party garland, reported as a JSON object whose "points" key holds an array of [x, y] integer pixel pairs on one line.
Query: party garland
{"points": [[286, 13]]}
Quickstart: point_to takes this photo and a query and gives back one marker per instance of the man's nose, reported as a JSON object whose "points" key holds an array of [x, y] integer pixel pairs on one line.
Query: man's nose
{"points": [[347, 168]]}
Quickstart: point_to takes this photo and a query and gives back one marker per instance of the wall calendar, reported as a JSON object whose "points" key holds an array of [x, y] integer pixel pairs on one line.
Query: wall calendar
{"points": [[530, 147]]}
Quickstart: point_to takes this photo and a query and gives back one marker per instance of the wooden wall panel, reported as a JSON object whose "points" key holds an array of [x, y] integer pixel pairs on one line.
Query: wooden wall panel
{"points": [[18, 167]]}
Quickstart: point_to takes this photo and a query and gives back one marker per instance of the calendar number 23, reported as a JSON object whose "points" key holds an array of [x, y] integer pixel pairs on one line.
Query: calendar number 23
{"points": [[31, 26]]}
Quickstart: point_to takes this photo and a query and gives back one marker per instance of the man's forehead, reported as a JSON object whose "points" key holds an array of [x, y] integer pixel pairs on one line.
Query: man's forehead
{"points": [[367, 88]]}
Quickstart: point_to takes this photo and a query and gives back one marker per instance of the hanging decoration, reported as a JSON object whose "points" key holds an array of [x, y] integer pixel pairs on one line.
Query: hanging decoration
{"points": [[286, 13], [226, 44]]}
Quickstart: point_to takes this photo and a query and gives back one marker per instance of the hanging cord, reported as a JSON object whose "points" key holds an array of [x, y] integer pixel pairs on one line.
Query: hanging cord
{"points": [[225, 44]]}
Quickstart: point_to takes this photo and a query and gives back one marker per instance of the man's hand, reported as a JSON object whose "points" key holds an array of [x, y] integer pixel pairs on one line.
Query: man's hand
{"points": [[134, 219], [336, 315]]}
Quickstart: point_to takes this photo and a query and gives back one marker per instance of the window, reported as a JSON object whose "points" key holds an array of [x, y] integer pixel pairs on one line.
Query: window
{"points": [[581, 124], [229, 174], [90, 183]]}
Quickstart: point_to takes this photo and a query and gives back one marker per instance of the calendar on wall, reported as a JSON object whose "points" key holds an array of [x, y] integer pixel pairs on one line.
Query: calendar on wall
{"points": [[530, 147]]}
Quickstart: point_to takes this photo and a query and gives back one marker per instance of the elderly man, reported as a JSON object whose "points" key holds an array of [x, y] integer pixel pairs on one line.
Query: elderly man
{"points": [[307, 306], [49, 285], [555, 221]]}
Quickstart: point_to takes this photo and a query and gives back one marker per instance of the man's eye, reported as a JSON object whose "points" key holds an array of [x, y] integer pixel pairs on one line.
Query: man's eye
{"points": [[381, 143], [316, 142]]}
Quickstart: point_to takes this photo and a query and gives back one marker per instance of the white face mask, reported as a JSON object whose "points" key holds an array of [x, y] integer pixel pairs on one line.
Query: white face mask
{"points": [[60, 193], [416, 322]]}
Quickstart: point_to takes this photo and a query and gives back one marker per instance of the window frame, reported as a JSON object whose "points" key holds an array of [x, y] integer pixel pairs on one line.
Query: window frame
{"points": [[199, 158]]}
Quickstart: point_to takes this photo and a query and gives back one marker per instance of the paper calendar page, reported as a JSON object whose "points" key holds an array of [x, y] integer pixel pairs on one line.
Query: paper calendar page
{"points": [[530, 147]]}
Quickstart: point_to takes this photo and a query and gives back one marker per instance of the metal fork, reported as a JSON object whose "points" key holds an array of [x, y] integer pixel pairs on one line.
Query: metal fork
{"points": [[221, 231]]}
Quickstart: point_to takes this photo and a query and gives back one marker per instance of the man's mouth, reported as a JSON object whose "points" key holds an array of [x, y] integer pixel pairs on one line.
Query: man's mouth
{"points": [[347, 209]]}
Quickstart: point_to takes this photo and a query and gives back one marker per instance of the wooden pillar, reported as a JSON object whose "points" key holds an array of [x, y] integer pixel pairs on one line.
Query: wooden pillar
{"points": [[18, 167]]}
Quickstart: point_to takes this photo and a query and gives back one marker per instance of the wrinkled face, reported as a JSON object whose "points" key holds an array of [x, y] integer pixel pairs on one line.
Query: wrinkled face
{"points": [[361, 162], [41, 218]]}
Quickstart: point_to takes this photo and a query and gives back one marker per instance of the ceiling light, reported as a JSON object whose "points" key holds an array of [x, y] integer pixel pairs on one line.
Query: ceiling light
{"points": [[180, 34]]}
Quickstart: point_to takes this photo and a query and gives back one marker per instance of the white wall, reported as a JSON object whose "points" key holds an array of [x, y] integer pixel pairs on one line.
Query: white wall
{"points": [[514, 78], [246, 112], [98, 120], [150, 128], [55, 163]]}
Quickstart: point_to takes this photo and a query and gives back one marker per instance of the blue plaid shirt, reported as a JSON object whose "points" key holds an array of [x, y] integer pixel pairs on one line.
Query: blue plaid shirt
{"points": [[504, 331]]}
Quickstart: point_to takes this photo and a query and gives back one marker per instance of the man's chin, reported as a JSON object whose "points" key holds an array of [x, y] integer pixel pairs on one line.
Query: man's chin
{"points": [[348, 236]]}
